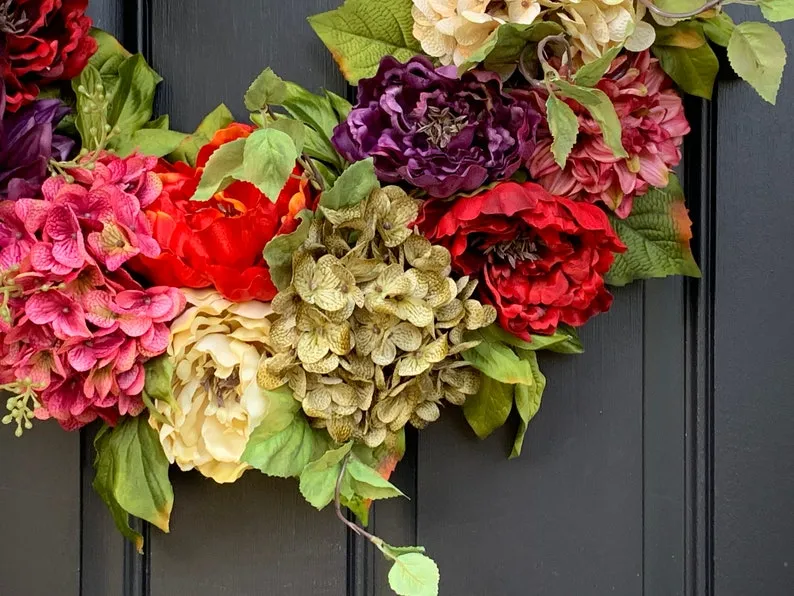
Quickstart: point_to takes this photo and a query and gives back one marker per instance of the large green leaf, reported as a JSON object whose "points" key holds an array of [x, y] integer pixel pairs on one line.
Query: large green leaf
{"points": [[367, 483], [527, 400], [268, 160], [133, 96], [188, 149], [719, 28], [278, 252], [224, 165], [150, 141], [318, 479], [489, 408], [564, 126], [601, 109], [132, 474], [777, 10], [414, 574], [108, 48], [284, 453], [758, 55], [564, 340], [684, 34], [353, 186], [361, 32], [498, 361], [694, 70], [267, 89], [657, 234]]}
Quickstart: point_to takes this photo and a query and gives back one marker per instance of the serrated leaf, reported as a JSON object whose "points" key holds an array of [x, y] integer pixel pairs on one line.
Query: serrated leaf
{"points": [[414, 574], [361, 32], [283, 454], [601, 109], [758, 55], [108, 48], [777, 10], [693, 70], [719, 28], [318, 478], [188, 149], [527, 400], [278, 252], [564, 126], [489, 408], [292, 128], [657, 234], [268, 160], [353, 186], [396, 551], [592, 72], [224, 165], [132, 474], [267, 89], [366, 483], [503, 48]]}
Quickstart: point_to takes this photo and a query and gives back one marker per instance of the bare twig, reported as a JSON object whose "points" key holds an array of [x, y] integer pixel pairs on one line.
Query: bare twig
{"points": [[680, 15], [338, 508]]}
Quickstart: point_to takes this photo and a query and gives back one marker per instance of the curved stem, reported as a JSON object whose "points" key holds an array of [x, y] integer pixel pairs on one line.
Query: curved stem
{"points": [[560, 39], [680, 15], [338, 508]]}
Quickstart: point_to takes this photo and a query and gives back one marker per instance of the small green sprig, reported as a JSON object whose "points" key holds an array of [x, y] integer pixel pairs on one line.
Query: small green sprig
{"points": [[21, 405]]}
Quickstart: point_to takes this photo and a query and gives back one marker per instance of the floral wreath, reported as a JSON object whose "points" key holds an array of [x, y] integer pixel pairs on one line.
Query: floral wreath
{"points": [[288, 295]]}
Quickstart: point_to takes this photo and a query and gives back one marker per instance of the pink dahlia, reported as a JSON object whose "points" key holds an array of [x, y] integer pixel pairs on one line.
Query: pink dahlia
{"points": [[653, 123], [75, 327]]}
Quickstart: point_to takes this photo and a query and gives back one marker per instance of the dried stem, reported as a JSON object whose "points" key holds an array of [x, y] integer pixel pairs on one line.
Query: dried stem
{"points": [[680, 15], [560, 39], [338, 508]]}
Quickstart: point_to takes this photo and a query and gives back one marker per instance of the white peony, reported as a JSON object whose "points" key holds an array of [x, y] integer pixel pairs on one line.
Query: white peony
{"points": [[216, 346]]}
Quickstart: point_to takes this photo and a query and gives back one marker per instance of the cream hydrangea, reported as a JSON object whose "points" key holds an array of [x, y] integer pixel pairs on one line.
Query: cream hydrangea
{"points": [[595, 26], [452, 30], [216, 346]]}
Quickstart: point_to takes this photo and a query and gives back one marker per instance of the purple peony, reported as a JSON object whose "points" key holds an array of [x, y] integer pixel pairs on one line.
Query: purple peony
{"points": [[27, 143], [435, 131]]}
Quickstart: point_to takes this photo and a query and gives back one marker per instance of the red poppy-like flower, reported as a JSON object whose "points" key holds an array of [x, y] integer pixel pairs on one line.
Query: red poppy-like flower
{"points": [[42, 41], [653, 127], [218, 243], [540, 258]]}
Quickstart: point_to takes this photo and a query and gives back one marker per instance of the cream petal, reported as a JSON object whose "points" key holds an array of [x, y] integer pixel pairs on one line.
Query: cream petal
{"points": [[643, 37]]}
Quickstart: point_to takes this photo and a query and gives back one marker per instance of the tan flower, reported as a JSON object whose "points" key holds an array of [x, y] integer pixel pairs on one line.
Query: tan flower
{"points": [[595, 26], [216, 346]]}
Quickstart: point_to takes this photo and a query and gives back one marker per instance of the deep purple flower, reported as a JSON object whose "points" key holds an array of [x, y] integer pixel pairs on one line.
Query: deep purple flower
{"points": [[435, 131], [27, 143]]}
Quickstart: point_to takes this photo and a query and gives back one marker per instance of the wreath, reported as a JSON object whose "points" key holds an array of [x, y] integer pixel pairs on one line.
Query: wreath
{"points": [[289, 294]]}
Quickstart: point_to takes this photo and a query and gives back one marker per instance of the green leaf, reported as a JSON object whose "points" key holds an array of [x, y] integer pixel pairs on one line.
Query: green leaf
{"points": [[564, 126], [361, 32], [527, 400], [318, 478], [132, 473], [160, 123], [284, 453], [503, 48], [592, 72], [757, 54], [224, 165], [366, 483], [353, 186], [278, 252], [694, 70], [396, 551], [188, 149], [777, 10], [268, 160], [157, 380], [489, 408], [133, 96], [602, 111], [498, 361], [657, 234], [292, 128], [414, 574], [267, 89], [341, 106], [719, 28], [684, 34], [565, 339], [108, 48], [150, 141], [87, 119], [679, 5]]}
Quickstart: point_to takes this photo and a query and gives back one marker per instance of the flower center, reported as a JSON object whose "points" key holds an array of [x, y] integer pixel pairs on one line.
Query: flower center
{"points": [[441, 126], [515, 250], [10, 22], [221, 388]]}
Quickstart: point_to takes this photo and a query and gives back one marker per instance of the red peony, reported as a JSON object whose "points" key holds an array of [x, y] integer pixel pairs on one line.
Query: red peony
{"points": [[540, 258], [42, 41], [218, 243], [653, 125]]}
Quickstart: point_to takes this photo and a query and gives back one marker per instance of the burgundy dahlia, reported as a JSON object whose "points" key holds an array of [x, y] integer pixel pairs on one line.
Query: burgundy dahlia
{"points": [[42, 41], [27, 143], [433, 130]]}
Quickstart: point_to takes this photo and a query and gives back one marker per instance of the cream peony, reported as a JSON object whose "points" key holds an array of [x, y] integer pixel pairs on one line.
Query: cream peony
{"points": [[452, 30], [595, 26], [215, 346]]}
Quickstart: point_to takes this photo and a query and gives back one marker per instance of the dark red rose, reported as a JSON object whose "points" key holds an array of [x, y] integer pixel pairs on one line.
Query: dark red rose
{"points": [[42, 41], [540, 258]]}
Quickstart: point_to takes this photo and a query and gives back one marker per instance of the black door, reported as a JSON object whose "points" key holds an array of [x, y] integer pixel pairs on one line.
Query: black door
{"points": [[660, 464]]}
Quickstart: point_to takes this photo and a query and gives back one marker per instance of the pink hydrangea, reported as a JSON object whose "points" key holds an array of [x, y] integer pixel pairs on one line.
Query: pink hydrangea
{"points": [[73, 321], [653, 124]]}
